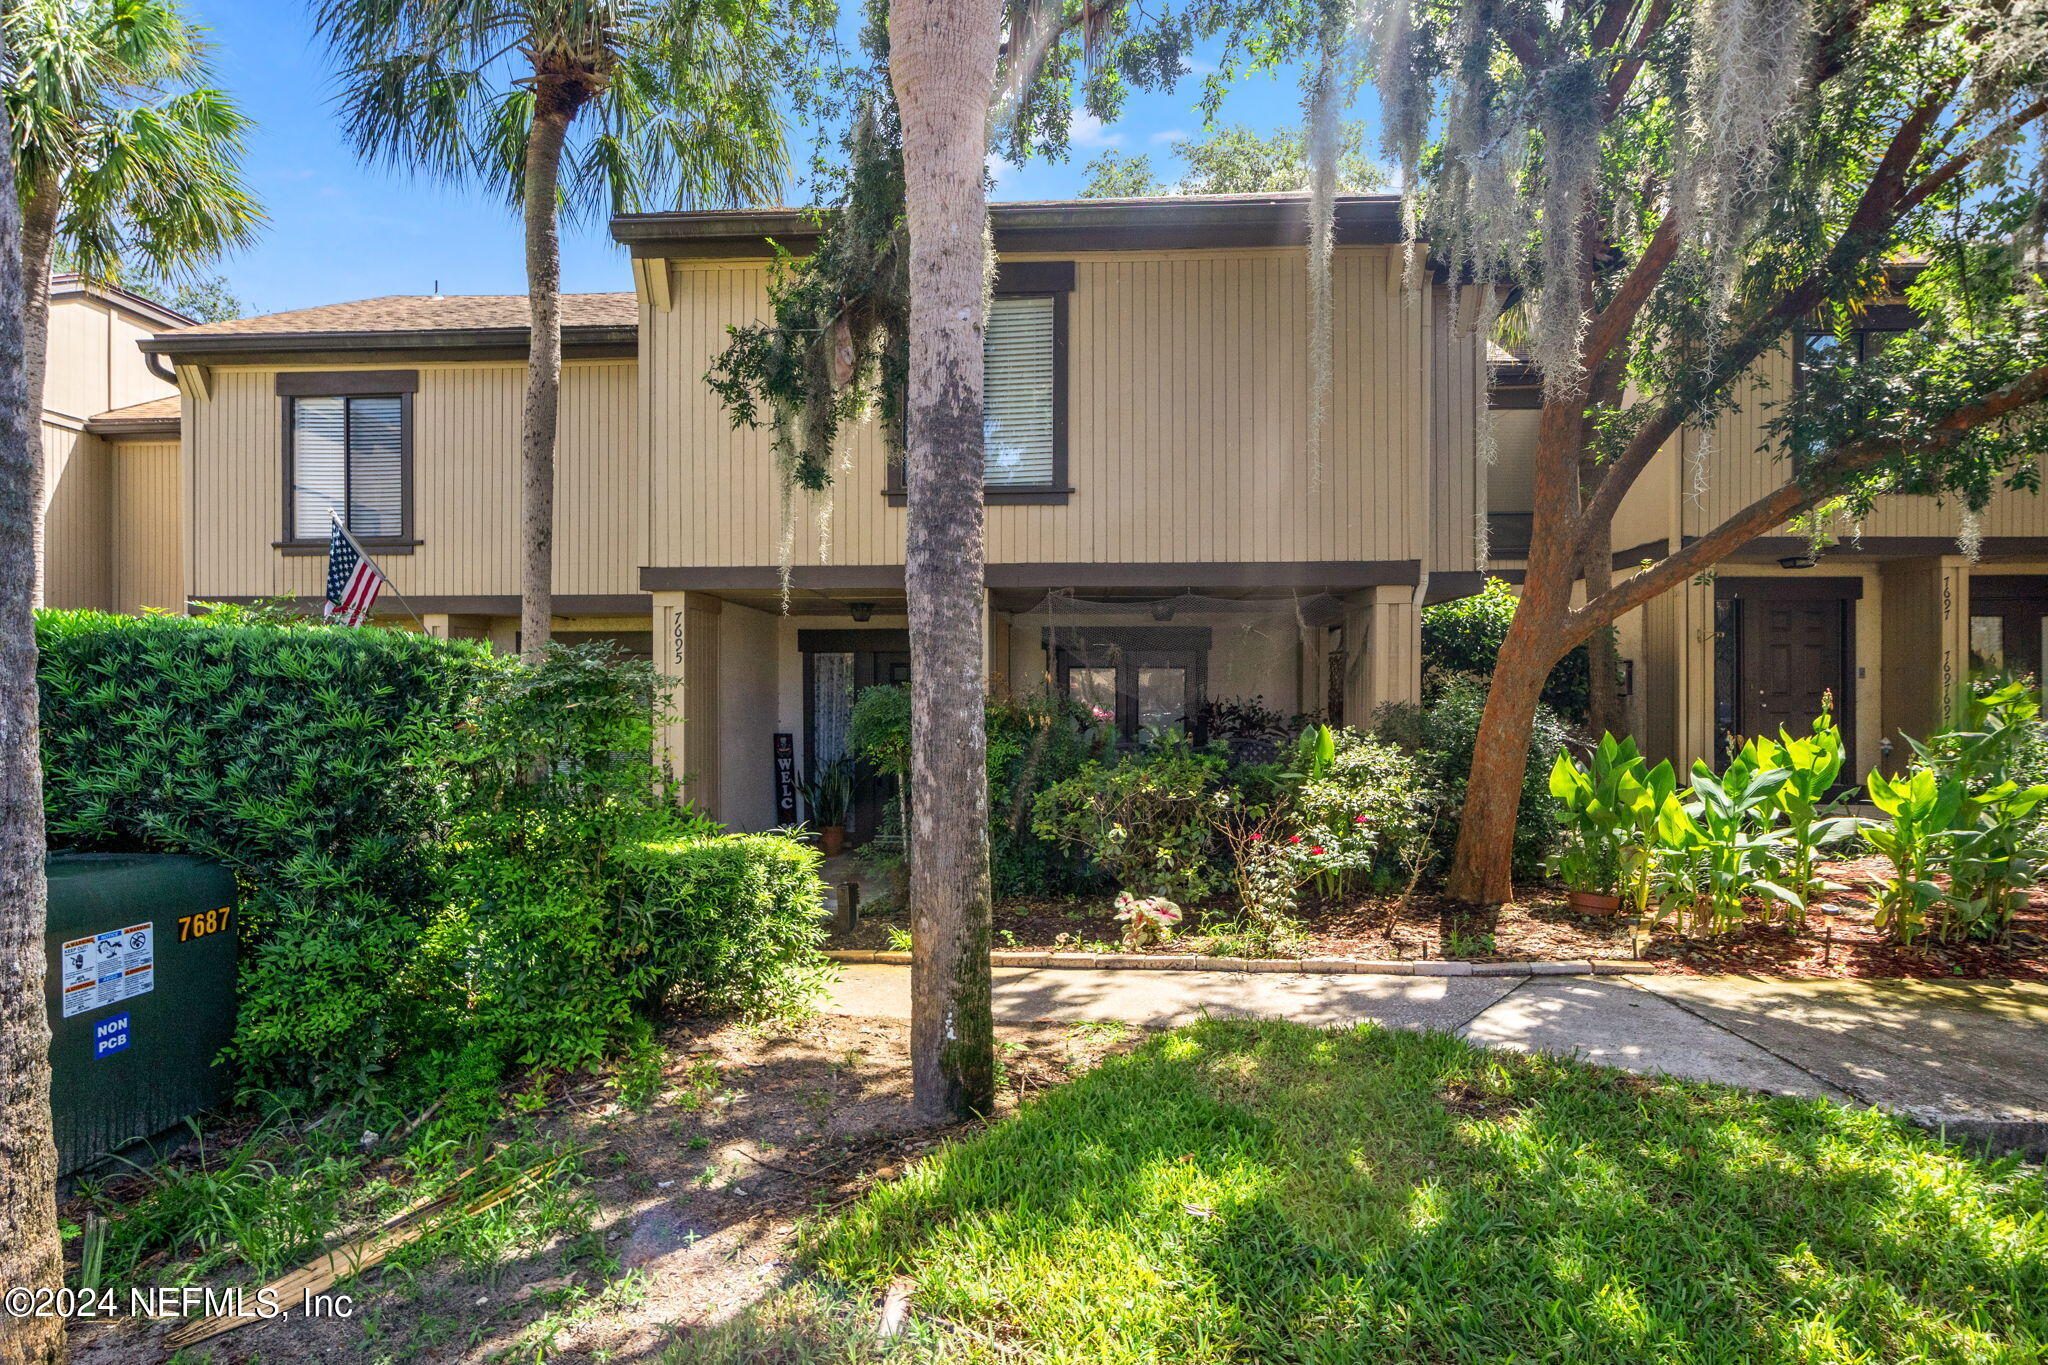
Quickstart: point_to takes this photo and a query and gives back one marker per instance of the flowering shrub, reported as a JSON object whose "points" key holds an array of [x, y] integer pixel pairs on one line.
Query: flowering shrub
{"points": [[1146, 819], [1146, 919]]}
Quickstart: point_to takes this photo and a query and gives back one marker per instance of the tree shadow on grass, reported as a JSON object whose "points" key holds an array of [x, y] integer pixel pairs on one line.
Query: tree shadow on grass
{"points": [[1256, 1190]]}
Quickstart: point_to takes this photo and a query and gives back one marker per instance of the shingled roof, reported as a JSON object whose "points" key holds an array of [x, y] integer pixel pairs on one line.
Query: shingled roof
{"points": [[458, 323], [157, 416], [425, 313]]}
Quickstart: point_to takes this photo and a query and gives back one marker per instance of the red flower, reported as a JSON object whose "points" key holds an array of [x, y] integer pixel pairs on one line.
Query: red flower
{"points": [[1317, 849], [1294, 838], [1257, 838], [1358, 819]]}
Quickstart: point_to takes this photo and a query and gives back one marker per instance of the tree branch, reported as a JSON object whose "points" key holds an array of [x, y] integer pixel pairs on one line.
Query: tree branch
{"points": [[1864, 233], [1789, 500], [1957, 164], [1624, 77]]}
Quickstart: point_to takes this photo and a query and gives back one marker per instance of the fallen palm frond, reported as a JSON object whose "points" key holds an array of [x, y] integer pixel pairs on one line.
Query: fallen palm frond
{"points": [[402, 1229]]}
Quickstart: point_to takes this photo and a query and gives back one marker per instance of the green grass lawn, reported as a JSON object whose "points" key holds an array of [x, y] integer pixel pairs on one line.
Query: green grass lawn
{"points": [[1241, 1191]]}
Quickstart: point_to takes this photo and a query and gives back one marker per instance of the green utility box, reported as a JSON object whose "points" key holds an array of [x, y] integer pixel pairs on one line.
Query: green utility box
{"points": [[141, 959]]}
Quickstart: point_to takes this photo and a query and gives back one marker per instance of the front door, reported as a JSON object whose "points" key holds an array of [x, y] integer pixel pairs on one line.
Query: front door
{"points": [[838, 666], [1790, 654]]}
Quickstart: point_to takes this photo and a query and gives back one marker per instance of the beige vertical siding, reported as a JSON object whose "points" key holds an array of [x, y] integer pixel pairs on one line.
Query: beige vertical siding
{"points": [[78, 517], [1188, 424], [148, 565], [94, 364], [465, 484], [1744, 465], [1457, 393]]}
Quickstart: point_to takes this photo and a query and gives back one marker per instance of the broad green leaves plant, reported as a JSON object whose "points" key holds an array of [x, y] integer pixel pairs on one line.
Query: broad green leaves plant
{"points": [[1922, 808]]}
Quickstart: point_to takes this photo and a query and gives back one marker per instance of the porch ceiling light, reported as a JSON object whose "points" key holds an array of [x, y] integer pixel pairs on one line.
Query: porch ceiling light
{"points": [[1798, 562], [861, 610]]}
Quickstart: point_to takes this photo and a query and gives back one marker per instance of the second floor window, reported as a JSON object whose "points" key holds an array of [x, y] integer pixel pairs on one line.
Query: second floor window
{"points": [[1020, 399], [348, 454]]}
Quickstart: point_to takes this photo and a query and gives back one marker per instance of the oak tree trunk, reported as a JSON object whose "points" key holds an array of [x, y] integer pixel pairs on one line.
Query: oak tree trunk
{"points": [[1603, 665], [38, 246], [942, 65], [1482, 867], [30, 1254], [537, 419]]}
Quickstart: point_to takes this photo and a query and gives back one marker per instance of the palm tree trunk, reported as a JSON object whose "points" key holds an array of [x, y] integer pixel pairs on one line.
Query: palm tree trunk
{"points": [[38, 245], [543, 374], [942, 64], [30, 1255]]}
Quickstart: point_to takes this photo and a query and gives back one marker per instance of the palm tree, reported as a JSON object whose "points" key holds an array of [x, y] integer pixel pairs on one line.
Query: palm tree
{"points": [[123, 158], [30, 1254], [679, 100], [942, 64]]}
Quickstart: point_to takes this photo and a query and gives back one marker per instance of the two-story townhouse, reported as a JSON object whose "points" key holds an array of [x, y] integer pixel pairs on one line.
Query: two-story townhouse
{"points": [[110, 454], [1887, 616], [1160, 534]]}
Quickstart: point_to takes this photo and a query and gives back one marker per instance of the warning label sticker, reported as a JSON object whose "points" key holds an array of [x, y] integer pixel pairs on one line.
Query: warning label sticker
{"points": [[108, 968]]}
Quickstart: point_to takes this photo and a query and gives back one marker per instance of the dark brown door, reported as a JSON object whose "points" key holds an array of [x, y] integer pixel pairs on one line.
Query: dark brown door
{"points": [[1793, 654]]}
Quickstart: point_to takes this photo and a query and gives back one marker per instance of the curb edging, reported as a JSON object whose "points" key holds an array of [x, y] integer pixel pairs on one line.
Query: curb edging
{"points": [[1307, 966]]}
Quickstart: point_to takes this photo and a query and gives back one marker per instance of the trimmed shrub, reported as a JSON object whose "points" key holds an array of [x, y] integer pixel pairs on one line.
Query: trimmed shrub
{"points": [[734, 921], [1465, 636], [1147, 818], [448, 858], [301, 757]]}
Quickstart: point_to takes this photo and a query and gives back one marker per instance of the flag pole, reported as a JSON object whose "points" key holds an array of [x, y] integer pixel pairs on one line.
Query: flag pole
{"points": [[391, 587]]}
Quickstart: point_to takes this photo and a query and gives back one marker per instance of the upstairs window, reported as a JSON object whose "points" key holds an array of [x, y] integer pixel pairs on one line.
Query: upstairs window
{"points": [[348, 453], [1024, 387], [1020, 403]]}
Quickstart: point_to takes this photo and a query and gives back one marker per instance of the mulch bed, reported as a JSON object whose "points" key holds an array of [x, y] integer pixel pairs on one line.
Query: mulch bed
{"points": [[1539, 927]]}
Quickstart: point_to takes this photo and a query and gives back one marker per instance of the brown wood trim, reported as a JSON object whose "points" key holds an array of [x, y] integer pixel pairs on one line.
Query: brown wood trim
{"points": [[405, 509], [320, 348], [134, 430], [1331, 575], [1651, 550], [1034, 277], [344, 383], [1450, 585], [1891, 547], [1066, 225], [999, 497], [890, 639], [503, 604], [306, 549], [1797, 586]]}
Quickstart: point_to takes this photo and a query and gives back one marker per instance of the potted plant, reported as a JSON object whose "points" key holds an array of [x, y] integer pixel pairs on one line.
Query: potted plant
{"points": [[828, 796], [1593, 803]]}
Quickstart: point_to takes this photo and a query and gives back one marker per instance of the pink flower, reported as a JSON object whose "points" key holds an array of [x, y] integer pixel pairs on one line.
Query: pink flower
{"points": [[1258, 838], [1358, 819], [1294, 838]]}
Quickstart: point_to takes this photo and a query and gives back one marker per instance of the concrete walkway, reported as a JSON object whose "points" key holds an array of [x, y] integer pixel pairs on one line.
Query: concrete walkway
{"points": [[1971, 1058]]}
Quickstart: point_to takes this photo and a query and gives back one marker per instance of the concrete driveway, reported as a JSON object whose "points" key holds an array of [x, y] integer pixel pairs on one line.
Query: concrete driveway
{"points": [[1969, 1058]]}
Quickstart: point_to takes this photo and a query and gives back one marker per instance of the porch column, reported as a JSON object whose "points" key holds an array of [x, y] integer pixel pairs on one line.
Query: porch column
{"points": [[1925, 618], [1383, 635], [686, 655]]}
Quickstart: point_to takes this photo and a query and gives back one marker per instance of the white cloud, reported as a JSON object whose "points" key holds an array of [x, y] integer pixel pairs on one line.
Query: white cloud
{"points": [[1089, 131], [999, 170], [1168, 135]]}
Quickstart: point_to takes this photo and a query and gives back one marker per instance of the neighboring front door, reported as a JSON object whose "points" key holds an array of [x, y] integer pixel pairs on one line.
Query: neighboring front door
{"points": [[1791, 651]]}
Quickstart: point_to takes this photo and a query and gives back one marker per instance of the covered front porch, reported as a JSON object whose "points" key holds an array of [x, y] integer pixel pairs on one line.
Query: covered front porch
{"points": [[764, 694]]}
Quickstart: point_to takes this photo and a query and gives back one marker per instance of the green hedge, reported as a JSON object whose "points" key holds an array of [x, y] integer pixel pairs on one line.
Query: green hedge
{"points": [[443, 853], [298, 756]]}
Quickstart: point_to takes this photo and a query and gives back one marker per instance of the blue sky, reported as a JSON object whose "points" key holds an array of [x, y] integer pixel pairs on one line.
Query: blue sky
{"points": [[340, 229]]}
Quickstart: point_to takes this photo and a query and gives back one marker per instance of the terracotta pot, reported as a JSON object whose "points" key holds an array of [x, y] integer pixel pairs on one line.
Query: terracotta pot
{"points": [[832, 840], [1593, 903]]}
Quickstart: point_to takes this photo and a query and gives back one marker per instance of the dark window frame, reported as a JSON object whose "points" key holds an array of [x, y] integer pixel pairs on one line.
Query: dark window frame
{"points": [[399, 384], [1118, 647], [1027, 280]]}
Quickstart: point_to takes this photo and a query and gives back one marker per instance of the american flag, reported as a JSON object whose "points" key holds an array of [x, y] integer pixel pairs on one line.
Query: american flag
{"points": [[353, 582]]}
